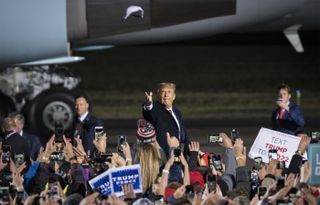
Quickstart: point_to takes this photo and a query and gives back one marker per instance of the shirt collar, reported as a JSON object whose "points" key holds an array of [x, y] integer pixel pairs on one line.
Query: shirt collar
{"points": [[82, 117]]}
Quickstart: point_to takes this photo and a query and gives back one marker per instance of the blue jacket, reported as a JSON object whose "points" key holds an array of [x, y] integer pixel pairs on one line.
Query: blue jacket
{"points": [[34, 144], [292, 121]]}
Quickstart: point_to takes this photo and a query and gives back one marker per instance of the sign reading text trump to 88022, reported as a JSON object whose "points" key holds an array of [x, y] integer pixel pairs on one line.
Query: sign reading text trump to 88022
{"points": [[267, 139]]}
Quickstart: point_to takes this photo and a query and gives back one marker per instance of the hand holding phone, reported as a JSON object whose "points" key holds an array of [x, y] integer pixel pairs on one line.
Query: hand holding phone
{"points": [[98, 132], [59, 132], [121, 141]]}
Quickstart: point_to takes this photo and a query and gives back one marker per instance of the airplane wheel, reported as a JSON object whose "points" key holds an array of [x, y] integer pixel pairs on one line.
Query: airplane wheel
{"points": [[50, 108], [5, 107]]}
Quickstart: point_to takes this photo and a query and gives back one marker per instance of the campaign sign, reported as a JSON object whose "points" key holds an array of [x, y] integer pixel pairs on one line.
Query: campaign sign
{"points": [[101, 183], [126, 175], [285, 144], [314, 159]]}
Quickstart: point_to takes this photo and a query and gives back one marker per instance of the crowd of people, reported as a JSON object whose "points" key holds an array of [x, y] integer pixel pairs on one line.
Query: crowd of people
{"points": [[174, 169]]}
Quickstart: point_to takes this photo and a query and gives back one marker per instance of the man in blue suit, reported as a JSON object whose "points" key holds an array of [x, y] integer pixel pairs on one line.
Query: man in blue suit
{"points": [[165, 117], [288, 117], [85, 123]]}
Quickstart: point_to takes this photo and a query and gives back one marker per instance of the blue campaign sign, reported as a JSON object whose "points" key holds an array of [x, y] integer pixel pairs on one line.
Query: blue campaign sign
{"points": [[314, 159], [102, 183], [126, 175]]}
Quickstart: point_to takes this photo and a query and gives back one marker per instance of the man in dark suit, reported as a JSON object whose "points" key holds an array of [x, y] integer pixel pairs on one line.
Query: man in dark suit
{"points": [[18, 144], [85, 123], [33, 140], [288, 117], [165, 117]]}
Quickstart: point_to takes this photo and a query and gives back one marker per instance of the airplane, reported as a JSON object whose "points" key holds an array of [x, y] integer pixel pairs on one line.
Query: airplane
{"points": [[37, 39]]}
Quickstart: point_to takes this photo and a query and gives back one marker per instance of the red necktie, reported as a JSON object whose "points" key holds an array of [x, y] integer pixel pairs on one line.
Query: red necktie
{"points": [[281, 114]]}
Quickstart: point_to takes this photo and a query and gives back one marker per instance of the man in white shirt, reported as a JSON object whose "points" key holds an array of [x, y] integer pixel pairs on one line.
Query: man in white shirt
{"points": [[85, 123]]}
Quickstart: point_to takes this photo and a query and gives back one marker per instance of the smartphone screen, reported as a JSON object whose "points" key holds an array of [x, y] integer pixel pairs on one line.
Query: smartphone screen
{"points": [[18, 159], [59, 132], [189, 191], [217, 162], [98, 131], [261, 192], [234, 135], [215, 138], [6, 153], [4, 194], [273, 154], [211, 182]]}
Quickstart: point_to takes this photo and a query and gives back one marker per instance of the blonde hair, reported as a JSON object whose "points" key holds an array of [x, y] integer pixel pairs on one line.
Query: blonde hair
{"points": [[166, 85], [149, 160]]}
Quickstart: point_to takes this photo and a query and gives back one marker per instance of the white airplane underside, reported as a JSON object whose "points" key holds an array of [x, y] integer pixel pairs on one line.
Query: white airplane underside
{"points": [[48, 30]]}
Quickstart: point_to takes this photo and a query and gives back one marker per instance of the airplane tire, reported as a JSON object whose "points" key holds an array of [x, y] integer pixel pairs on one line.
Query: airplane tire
{"points": [[5, 107], [51, 107]]}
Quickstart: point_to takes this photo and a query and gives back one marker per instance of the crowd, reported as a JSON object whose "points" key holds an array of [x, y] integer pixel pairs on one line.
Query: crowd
{"points": [[174, 170]]}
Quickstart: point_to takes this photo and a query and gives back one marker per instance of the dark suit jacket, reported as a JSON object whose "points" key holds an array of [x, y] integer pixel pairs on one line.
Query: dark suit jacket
{"points": [[292, 121], [164, 122], [17, 143], [86, 131], [34, 144]]}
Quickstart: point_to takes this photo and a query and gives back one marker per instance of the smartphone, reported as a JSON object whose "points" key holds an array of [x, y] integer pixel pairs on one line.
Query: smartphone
{"points": [[281, 164], [59, 132], [254, 175], [190, 191], [280, 183], [107, 156], [211, 182], [121, 141], [57, 156], [315, 136], [98, 132], [234, 134], [18, 159], [284, 202], [273, 154], [53, 191], [258, 162], [6, 153], [215, 138], [4, 195], [216, 159], [261, 192], [176, 155]]}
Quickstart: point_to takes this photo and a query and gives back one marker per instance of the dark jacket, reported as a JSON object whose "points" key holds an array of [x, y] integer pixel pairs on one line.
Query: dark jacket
{"points": [[34, 144], [17, 143], [164, 122], [292, 121], [86, 131]]}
